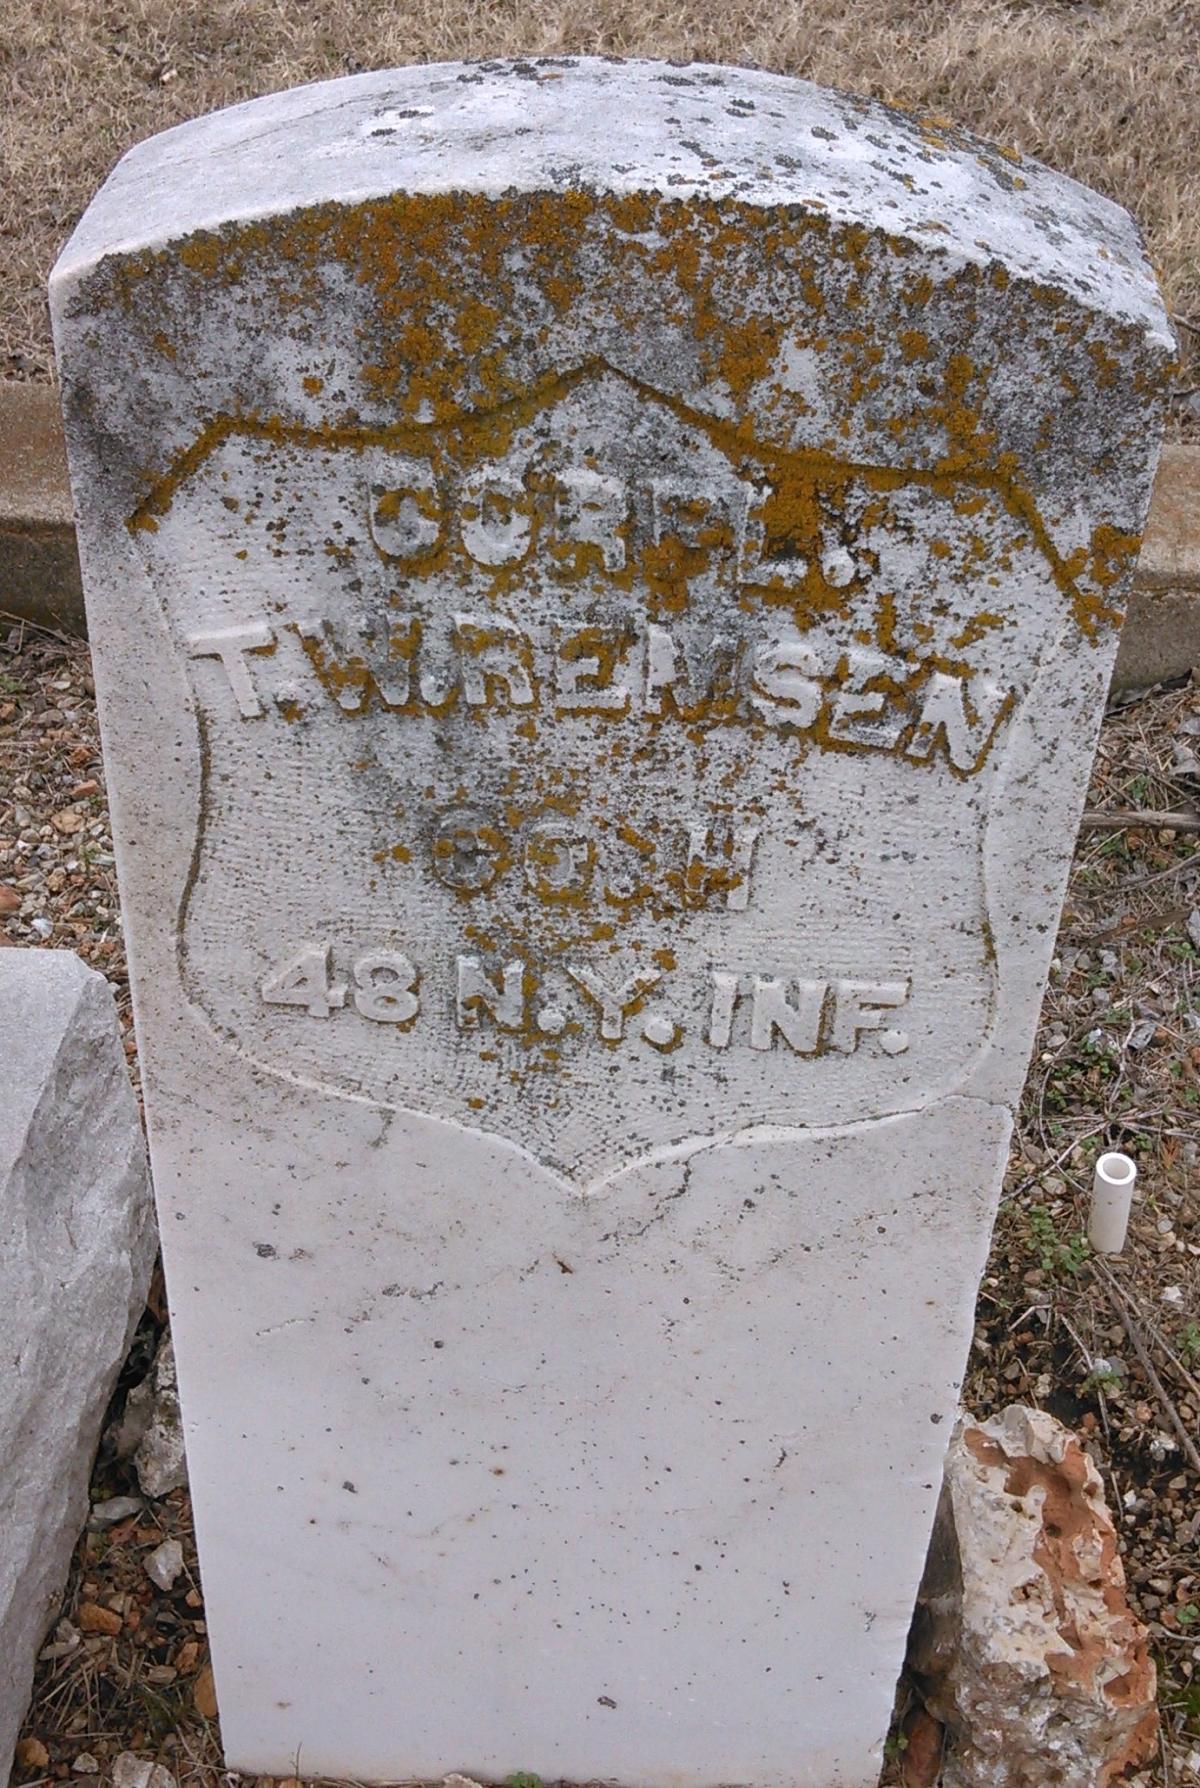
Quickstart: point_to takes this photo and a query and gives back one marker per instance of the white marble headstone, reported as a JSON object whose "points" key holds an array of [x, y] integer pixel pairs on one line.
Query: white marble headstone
{"points": [[603, 579]]}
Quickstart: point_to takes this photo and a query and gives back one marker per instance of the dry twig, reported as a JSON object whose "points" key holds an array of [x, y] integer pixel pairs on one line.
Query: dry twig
{"points": [[1121, 1306], [1118, 818]]}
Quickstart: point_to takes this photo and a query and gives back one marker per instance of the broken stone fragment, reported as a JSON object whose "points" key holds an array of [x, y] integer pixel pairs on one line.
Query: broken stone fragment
{"points": [[114, 1509], [161, 1466], [1024, 1645], [76, 1246], [131, 1771], [164, 1564]]}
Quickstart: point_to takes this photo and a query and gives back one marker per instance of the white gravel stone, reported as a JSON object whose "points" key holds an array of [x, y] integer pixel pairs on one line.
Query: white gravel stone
{"points": [[131, 1771], [603, 579], [164, 1564], [76, 1246], [114, 1509]]}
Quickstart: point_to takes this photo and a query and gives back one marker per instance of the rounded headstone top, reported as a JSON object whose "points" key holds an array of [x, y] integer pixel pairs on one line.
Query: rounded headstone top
{"points": [[605, 125]]}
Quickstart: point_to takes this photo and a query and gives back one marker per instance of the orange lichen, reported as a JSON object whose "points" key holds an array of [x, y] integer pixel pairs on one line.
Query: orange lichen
{"points": [[444, 332]]}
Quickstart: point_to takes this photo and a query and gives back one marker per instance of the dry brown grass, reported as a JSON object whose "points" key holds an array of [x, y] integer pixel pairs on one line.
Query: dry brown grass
{"points": [[1108, 90]]}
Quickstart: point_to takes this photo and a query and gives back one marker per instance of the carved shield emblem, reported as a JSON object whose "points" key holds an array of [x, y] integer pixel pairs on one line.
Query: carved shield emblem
{"points": [[585, 774]]}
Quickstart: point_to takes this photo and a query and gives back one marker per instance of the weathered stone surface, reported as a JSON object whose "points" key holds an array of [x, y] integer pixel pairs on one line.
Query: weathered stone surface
{"points": [[159, 1460], [1161, 636], [602, 580], [1024, 1645], [1160, 639], [76, 1246], [1170, 558], [39, 564]]}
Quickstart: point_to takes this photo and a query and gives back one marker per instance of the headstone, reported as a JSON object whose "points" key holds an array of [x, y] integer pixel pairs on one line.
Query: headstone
{"points": [[603, 579], [76, 1246]]}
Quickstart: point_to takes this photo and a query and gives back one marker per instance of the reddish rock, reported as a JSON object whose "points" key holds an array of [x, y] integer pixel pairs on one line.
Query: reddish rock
{"points": [[924, 1742], [1024, 1643]]}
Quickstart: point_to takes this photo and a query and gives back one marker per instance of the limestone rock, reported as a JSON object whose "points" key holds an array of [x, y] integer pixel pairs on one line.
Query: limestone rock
{"points": [[159, 1460], [1024, 1644], [76, 1246]]}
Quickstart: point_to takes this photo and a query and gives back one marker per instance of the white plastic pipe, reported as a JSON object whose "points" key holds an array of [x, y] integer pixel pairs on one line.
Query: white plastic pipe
{"points": [[1112, 1195]]}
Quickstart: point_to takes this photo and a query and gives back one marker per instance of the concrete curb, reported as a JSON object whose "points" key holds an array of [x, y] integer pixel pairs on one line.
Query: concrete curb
{"points": [[39, 565]]}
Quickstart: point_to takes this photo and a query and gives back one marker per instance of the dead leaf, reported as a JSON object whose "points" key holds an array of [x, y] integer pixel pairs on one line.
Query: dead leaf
{"points": [[204, 1695], [92, 1618]]}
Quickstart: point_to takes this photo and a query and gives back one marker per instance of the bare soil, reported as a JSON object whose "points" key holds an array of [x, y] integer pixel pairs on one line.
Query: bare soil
{"points": [[1106, 90], [1112, 1348]]}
